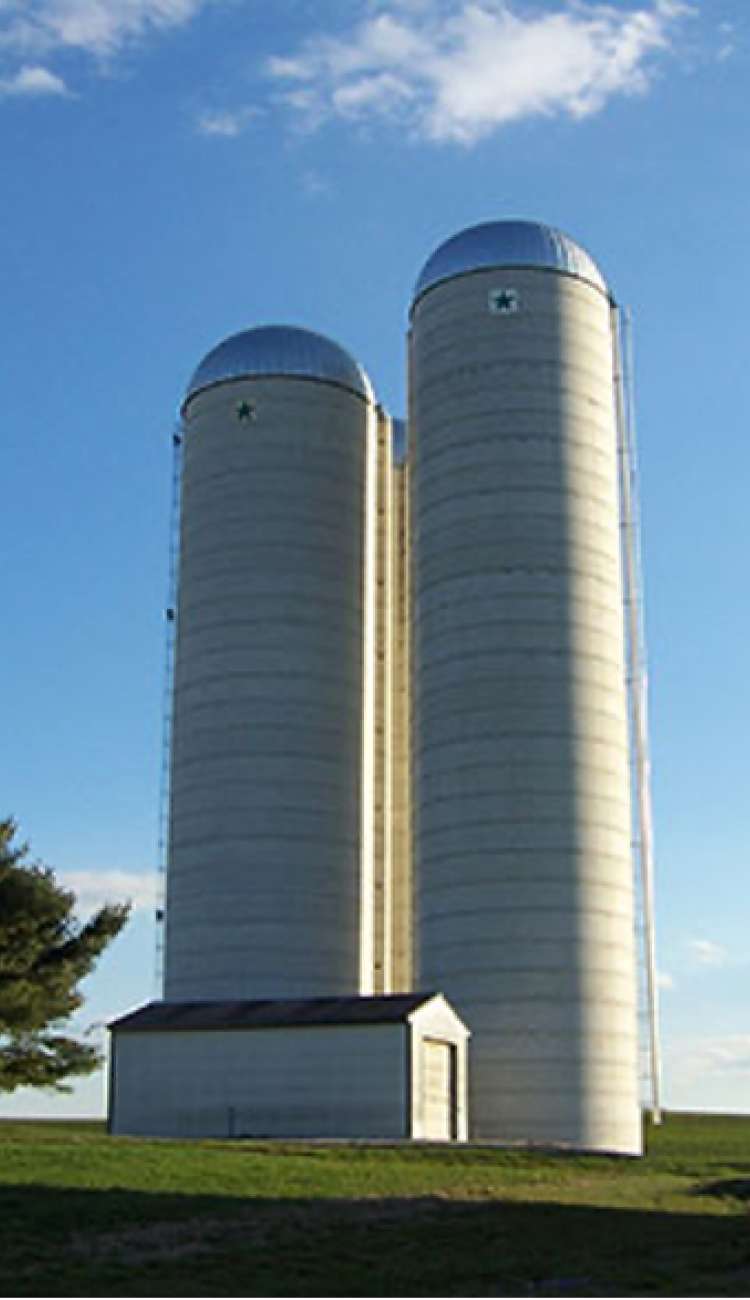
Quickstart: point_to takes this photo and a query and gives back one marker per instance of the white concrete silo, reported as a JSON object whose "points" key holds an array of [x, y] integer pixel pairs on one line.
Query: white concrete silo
{"points": [[520, 748], [269, 871]]}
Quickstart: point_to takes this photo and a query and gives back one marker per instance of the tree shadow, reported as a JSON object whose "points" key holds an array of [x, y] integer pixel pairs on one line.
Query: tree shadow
{"points": [[122, 1242], [736, 1189]]}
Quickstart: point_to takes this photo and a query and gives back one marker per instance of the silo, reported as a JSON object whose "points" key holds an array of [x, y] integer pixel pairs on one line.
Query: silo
{"points": [[520, 747], [269, 871]]}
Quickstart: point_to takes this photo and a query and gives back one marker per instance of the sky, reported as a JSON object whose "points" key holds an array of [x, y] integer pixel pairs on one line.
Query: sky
{"points": [[176, 170]]}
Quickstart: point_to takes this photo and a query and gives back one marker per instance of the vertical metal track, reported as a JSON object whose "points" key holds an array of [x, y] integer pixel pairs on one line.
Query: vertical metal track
{"points": [[369, 667], [385, 536], [170, 624], [638, 685]]}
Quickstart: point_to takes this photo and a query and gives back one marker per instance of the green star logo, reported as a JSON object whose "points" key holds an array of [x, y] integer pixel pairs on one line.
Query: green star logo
{"points": [[503, 301], [245, 411]]}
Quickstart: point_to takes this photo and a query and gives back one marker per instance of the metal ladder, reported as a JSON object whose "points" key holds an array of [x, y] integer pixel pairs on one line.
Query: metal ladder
{"points": [[170, 626], [637, 684]]}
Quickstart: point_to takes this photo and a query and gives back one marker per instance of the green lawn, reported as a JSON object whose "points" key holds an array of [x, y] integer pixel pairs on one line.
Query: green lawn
{"points": [[85, 1214]]}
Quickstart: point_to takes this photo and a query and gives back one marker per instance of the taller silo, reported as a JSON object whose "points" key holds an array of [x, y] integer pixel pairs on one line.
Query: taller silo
{"points": [[521, 787], [269, 872]]}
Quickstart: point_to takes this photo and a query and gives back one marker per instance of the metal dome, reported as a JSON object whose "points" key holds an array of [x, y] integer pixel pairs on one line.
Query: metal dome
{"points": [[279, 350], [508, 243]]}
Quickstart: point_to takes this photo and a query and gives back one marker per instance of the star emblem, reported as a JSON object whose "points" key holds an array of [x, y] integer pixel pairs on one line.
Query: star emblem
{"points": [[245, 411], [503, 301]]}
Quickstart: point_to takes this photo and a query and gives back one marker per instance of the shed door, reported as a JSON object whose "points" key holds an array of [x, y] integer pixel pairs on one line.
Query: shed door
{"points": [[438, 1089]]}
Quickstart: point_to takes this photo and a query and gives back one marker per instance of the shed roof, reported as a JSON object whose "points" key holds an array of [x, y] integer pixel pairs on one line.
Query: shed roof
{"points": [[271, 1013]]}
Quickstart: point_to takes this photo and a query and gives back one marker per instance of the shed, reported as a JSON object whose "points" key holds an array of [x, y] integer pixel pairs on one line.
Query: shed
{"points": [[389, 1067]]}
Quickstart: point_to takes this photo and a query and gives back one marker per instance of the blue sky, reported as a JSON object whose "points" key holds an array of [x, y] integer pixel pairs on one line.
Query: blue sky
{"points": [[175, 170]]}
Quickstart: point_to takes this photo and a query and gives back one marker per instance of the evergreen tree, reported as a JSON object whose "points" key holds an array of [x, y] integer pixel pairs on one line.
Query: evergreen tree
{"points": [[44, 953]]}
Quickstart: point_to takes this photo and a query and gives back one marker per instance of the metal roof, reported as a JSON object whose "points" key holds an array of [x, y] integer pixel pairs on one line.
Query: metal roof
{"points": [[279, 350], [267, 1013], [508, 244]]}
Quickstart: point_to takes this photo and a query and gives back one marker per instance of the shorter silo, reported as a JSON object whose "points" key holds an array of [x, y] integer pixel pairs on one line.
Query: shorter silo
{"points": [[269, 872]]}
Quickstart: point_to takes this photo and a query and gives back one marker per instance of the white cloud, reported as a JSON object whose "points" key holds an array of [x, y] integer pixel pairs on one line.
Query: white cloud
{"points": [[32, 81], [729, 1053], [94, 888], [708, 1073], [664, 980], [228, 124], [35, 30], [96, 26], [458, 71], [103, 25], [698, 1057], [728, 45], [314, 185], [708, 953], [41, 29]]}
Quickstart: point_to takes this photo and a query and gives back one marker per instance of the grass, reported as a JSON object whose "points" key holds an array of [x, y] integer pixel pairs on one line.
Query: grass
{"points": [[84, 1214]]}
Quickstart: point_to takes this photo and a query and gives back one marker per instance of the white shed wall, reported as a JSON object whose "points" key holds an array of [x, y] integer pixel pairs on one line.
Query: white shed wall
{"points": [[436, 1022], [328, 1081]]}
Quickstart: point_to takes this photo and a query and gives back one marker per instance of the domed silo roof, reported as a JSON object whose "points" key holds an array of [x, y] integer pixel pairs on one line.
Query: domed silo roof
{"points": [[508, 244], [279, 350]]}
